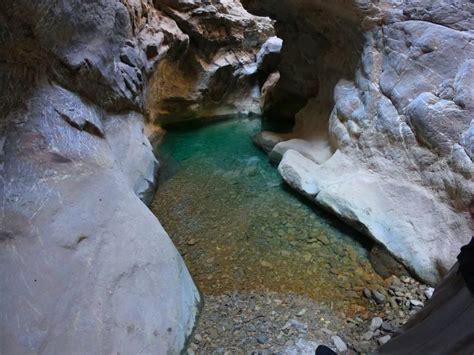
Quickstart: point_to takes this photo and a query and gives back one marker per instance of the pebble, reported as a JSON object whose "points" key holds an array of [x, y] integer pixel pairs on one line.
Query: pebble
{"points": [[192, 242], [293, 323], [417, 303], [367, 293], [339, 344], [262, 339], [376, 323], [406, 279], [384, 339], [327, 331], [387, 327], [429, 292], [323, 239], [368, 335], [378, 296], [301, 313]]}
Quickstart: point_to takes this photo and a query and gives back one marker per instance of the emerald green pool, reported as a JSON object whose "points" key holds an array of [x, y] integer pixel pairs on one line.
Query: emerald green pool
{"points": [[239, 227]]}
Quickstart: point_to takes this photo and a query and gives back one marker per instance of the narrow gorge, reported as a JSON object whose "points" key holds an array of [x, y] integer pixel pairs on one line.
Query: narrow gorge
{"points": [[236, 177]]}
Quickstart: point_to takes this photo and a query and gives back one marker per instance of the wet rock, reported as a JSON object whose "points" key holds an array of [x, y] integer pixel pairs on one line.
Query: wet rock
{"points": [[367, 293], [378, 297], [385, 264], [324, 239]]}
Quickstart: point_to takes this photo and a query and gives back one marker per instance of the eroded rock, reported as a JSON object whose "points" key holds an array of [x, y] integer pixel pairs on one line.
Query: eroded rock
{"points": [[87, 267], [217, 75], [391, 100]]}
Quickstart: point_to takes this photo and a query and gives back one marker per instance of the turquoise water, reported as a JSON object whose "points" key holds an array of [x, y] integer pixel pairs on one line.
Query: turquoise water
{"points": [[240, 228]]}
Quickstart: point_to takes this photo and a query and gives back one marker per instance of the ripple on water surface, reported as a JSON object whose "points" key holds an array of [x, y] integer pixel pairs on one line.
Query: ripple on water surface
{"points": [[239, 229]]}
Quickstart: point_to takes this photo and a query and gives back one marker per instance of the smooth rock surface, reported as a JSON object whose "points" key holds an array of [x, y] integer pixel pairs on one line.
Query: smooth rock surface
{"points": [[87, 267]]}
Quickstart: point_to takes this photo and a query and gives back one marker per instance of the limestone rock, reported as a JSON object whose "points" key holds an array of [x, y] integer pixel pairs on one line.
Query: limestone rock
{"points": [[217, 75], [371, 203], [268, 57], [387, 86], [87, 266]]}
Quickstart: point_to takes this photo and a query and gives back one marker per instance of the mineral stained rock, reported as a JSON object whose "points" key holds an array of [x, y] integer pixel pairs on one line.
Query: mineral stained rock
{"points": [[384, 123], [217, 73]]}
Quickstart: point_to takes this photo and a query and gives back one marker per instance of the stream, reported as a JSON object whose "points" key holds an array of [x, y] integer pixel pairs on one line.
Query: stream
{"points": [[240, 228]]}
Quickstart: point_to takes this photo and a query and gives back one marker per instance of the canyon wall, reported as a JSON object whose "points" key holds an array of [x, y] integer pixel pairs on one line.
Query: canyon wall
{"points": [[86, 267], [384, 121], [216, 75]]}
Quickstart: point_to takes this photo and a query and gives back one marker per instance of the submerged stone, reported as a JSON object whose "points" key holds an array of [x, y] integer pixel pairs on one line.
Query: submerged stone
{"points": [[252, 236]]}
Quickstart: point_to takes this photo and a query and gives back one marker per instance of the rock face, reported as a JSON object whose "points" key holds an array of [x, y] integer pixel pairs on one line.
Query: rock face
{"points": [[216, 72], [385, 137], [86, 267]]}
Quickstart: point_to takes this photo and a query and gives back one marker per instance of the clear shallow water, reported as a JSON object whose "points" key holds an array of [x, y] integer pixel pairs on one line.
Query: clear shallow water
{"points": [[239, 228]]}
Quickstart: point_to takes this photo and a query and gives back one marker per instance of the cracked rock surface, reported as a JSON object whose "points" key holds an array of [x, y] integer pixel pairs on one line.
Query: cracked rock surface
{"points": [[216, 75], [383, 133]]}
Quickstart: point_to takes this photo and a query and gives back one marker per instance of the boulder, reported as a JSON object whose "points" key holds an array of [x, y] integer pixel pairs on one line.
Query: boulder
{"points": [[379, 207]]}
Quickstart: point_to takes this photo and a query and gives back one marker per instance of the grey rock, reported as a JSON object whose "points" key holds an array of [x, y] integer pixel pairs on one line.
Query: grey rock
{"points": [[378, 296], [268, 57], [383, 340], [367, 293], [376, 323], [75, 164], [215, 75], [437, 122], [339, 343], [416, 303], [400, 120], [388, 327], [368, 335], [293, 323], [429, 292]]}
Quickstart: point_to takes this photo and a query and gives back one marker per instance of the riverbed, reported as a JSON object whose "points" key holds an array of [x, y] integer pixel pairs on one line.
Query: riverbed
{"points": [[239, 227]]}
